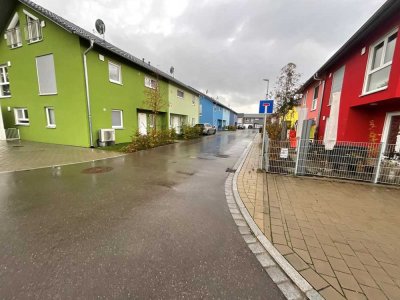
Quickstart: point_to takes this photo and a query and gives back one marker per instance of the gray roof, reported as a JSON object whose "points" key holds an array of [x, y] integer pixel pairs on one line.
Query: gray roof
{"points": [[217, 102], [387, 10], [102, 43]]}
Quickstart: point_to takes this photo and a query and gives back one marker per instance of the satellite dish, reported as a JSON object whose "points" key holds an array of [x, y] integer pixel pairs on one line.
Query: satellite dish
{"points": [[100, 27], [172, 70]]}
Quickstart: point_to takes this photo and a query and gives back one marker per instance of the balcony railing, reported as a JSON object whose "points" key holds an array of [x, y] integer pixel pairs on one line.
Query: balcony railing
{"points": [[33, 31], [14, 37]]}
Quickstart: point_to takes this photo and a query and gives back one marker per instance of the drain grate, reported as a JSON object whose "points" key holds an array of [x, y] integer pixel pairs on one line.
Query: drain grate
{"points": [[97, 170], [229, 170], [17, 146]]}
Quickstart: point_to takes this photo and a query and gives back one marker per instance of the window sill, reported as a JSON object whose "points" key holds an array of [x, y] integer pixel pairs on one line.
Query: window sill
{"points": [[4, 97], [50, 94], [51, 127], [16, 47], [27, 124], [115, 82], [34, 42], [374, 91]]}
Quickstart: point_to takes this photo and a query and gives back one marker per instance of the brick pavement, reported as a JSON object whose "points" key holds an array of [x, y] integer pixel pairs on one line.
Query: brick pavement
{"points": [[23, 155], [341, 237]]}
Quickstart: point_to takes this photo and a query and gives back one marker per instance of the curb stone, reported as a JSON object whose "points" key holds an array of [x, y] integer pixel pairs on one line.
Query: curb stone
{"points": [[288, 280]]}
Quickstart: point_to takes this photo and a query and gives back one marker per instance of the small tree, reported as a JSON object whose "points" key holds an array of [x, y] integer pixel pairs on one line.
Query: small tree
{"points": [[154, 100], [287, 85]]}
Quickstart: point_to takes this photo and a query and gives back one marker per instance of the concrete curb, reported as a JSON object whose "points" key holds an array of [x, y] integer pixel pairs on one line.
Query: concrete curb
{"points": [[288, 280]]}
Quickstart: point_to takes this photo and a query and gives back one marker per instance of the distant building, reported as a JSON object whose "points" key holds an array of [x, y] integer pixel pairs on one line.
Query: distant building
{"points": [[215, 113]]}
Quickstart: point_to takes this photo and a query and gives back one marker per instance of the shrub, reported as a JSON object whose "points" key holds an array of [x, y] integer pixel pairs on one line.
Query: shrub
{"points": [[274, 131], [153, 139], [190, 132], [231, 128]]}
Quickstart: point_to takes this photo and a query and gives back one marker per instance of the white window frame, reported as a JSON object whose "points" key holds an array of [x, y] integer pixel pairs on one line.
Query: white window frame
{"points": [[121, 113], [30, 39], [119, 72], [180, 91], [368, 71], [38, 77], [314, 102], [13, 27], [47, 110], [3, 72], [149, 82], [23, 121]]}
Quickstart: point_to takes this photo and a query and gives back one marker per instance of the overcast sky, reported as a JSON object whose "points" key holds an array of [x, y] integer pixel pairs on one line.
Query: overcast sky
{"points": [[224, 46]]}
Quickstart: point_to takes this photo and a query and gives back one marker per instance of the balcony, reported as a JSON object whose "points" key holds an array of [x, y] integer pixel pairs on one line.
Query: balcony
{"points": [[33, 31], [14, 39]]}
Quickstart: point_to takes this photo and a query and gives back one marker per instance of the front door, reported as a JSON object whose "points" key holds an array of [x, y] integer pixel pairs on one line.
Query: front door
{"points": [[391, 133], [142, 119]]}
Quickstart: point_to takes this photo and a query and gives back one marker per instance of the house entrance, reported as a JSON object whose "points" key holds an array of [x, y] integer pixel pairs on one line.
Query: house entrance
{"points": [[142, 120]]}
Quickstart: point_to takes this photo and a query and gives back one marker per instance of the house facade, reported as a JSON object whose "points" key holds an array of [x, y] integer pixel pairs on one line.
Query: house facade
{"points": [[61, 84], [215, 113], [359, 88]]}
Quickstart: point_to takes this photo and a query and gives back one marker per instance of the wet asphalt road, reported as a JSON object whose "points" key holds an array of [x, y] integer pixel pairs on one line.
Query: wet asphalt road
{"points": [[156, 226]]}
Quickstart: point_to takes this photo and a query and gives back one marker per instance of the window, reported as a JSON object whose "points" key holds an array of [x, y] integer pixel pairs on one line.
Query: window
{"points": [[151, 120], [337, 83], [315, 98], [150, 82], [51, 118], [114, 73], [200, 109], [13, 33], [117, 119], [33, 29], [21, 116], [380, 63], [4, 83], [46, 75], [180, 94]]}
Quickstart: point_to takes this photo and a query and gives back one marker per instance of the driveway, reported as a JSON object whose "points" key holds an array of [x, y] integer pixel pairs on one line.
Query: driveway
{"points": [[154, 224], [25, 155]]}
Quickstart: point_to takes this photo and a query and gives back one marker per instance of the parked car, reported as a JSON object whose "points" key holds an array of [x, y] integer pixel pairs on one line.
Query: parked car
{"points": [[241, 126], [207, 128], [250, 127]]}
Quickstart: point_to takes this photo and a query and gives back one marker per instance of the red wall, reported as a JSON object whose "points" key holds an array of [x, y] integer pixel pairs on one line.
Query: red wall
{"points": [[355, 111]]}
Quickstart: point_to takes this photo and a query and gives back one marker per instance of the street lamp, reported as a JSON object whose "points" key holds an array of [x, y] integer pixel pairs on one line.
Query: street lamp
{"points": [[267, 80]]}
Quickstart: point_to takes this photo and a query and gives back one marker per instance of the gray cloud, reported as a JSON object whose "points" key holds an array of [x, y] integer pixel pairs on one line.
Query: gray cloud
{"points": [[225, 46]]}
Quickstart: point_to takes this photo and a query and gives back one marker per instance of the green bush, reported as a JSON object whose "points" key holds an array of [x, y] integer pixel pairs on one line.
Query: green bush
{"points": [[230, 128], [190, 132], [154, 139]]}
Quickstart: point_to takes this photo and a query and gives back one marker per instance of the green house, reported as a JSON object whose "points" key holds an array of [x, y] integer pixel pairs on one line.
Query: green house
{"points": [[61, 84]]}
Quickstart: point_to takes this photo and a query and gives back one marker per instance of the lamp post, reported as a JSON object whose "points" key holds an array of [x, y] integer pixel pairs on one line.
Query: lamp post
{"points": [[265, 124]]}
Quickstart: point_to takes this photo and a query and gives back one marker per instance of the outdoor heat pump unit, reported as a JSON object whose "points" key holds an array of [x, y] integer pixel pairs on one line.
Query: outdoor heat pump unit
{"points": [[106, 137]]}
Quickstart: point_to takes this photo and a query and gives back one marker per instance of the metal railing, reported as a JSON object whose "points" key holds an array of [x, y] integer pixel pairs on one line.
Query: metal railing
{"points": [[373, 162]]}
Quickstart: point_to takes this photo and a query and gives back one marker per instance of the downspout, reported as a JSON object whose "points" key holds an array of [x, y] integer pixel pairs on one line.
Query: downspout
{"points": [[87, 92]]}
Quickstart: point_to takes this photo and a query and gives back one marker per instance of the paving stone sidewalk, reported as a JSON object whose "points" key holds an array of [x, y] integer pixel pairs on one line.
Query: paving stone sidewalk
{"points": [[24, 155], [343, 238]]}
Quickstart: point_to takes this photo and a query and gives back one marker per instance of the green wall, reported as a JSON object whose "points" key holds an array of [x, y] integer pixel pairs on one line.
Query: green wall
{"points": [[69, 103], [128, 96], [186, 106]]}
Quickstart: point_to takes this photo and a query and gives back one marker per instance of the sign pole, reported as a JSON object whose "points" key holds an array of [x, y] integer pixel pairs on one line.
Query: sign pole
{"points": [[263, 141]]}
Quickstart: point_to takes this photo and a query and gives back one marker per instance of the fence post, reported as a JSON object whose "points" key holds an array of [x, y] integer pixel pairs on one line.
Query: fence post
{"points": [[378, 167], [266, 154], [298, 147]]}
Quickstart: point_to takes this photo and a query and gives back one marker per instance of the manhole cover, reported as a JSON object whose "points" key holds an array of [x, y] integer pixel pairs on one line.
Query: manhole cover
{"points": [[17, 146], [96, 170]]}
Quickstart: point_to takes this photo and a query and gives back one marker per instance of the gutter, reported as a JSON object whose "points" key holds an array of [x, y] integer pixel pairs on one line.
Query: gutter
{"points": [[87, 93]]}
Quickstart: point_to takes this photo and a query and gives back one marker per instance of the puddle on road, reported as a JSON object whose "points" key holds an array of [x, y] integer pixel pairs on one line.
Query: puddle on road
{"points": [[220, 155], [97, 170], [185, 173]]}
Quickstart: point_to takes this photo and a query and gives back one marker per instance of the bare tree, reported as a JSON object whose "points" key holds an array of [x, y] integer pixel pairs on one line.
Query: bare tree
{"points": [[155, 100], [287, 85]]}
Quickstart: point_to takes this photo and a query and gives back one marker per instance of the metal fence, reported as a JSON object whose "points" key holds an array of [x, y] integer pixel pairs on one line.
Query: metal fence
{"points": [[373, 162]]}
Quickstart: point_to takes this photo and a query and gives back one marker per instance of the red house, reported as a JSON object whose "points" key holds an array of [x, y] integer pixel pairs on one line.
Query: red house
{"points": [[355, 95]]}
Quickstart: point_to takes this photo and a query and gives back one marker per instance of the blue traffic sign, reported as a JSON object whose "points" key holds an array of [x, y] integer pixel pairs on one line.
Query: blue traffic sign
{"points": [[266, 106]]}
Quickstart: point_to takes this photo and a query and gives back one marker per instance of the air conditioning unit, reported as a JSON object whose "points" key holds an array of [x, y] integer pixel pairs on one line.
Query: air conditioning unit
{"points": [[106, 135]]}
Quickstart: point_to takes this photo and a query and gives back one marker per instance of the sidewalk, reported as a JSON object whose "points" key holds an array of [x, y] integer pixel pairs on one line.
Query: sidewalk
{"points": [[25, 155], [341, 237]]}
